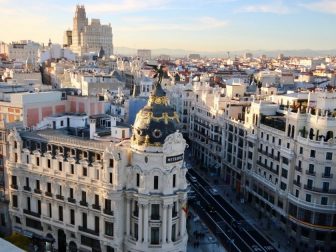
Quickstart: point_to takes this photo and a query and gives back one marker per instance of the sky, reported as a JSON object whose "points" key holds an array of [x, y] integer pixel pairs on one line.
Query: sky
{"points": [[200, 25]]}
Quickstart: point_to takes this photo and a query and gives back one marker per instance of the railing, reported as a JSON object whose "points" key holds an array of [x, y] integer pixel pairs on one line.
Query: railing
{"points": [[327, 175], [27, 188], [38, 191], [60, 197], [297, 183], [49, 194], [320, 190], [87, 230], [108, 212], [14, 187], [298, 168], [72, 200], [96, 206], [83, 203], [26, 211], [311, 173]]}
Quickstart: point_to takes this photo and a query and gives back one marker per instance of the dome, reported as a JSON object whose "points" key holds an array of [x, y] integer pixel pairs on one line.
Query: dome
{"points": [[155, 121]]}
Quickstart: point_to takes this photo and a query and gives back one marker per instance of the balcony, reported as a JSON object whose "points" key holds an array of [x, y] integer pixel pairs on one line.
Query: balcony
{"points": [[72, 200], [38, 191], [298, 168], [26, 211], [320, 190], [48, 194], [27, 188], [14, 186], [311, 173], [87, 230], [155, 217], [297, 183], [108, 212], [96, 206], [328, 175], [59, 197], [83, 203]]}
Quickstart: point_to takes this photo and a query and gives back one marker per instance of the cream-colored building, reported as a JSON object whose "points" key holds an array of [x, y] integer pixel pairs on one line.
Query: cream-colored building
{"points": [[89, 36], [21, 50]]}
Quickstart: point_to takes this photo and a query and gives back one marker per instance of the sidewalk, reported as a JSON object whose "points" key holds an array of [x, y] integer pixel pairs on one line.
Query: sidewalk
{"points": [[270, 230], [200, 238]]}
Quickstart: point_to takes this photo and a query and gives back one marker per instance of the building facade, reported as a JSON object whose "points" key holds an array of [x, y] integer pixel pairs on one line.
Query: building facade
{"points": [[99, 191], [89, 37]]}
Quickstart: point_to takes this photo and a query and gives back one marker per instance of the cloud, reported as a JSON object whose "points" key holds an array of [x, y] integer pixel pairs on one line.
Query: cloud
{"points": [[328, 6], [198, 24], [276, 8], [127, 6]]}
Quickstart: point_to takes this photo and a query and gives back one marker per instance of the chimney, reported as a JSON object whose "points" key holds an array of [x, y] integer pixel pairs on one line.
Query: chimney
{"points": [[92, 128]]}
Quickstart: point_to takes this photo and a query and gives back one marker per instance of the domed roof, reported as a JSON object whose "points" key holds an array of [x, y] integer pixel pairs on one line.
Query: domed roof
{"points": [[155, 121]]}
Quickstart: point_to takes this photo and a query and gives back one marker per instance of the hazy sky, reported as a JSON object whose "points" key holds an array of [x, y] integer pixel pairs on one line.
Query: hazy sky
{"points": [[207, 25]]}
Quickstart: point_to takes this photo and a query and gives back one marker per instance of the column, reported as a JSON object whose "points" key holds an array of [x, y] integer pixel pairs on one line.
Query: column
{"points": [[128, 218], [169, 223], [182, 218], [145, 232], [164, 223], [140, 220]]}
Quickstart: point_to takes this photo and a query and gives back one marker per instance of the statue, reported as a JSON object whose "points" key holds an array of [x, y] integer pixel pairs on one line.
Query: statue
{"points": [[158, 72]]}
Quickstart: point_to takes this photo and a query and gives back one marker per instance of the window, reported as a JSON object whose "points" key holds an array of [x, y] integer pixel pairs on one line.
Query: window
{"points": [[37, 161], [311, 169], [329, 156], [324, 200], [327, 170], [155, 212], [97, 174], [109, 249], [71, 193], [283, 186], [14, 180], [308, 197], [84, 196], [96, 224], [49, 163], [72, 168], [312, 153], [155, 235], [297, 193], [15, 200], [108, 228], [137, 179], [173, 237], [136, 231], [279, 141], [50, 210], [28, 203], [37, 184], [284, 173], [72, 217], [111, 178], [174, 180], [39, 206], [285, 160], [108, 204], [325, 186], [27, 182], [111, 163], [49, 187], [96, 199], [309, 184], [84, 171], [156, 182], [301, 150], [60, 213], [84, 220]]}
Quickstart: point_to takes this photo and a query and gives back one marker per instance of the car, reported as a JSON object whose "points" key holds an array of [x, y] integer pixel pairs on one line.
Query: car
{"points": [[193, 179], [213, 191]]}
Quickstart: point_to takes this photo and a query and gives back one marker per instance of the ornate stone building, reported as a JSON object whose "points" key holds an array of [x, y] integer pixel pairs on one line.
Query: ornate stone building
{"points": [[89, 37], [106, 193]]}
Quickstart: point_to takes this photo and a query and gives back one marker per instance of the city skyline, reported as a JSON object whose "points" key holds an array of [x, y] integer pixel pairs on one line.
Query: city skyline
{"points": [[211, 25]]}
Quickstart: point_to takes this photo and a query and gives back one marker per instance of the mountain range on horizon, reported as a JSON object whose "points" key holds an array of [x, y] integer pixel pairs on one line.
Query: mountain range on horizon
{"points": [[127, 51]]}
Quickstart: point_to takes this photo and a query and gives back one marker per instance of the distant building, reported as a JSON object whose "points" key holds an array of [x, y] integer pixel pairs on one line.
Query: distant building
{"points": [[21, 50], [194, 56], [89, 37], [67, 40], [145, 54]]}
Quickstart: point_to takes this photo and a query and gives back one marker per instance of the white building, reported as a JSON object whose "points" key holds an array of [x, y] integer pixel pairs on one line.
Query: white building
{"points": [[93, 190], [21, 50], [89, 37]]}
